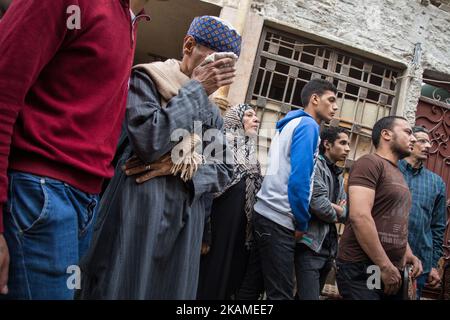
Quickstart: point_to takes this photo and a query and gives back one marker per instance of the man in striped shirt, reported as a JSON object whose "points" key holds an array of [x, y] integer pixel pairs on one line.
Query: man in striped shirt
{"points": [[427, 216]]}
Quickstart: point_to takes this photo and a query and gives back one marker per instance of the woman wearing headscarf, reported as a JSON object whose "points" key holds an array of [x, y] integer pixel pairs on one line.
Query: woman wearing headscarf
{"points": [[228, 234]]}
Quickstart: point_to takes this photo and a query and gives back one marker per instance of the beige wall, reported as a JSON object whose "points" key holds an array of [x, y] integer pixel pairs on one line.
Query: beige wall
{"points": [[250, 41], [163, 35]]}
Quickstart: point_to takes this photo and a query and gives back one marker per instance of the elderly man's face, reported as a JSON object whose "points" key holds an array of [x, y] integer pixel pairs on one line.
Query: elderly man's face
{"points": [[194, 54], [199, 54]]}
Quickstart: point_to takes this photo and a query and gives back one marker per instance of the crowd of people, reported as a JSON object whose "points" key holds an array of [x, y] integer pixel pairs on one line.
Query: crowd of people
{"points": [[133, 175]]}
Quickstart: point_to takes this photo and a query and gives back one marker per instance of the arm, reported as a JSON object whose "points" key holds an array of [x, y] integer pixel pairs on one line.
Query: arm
{"points": [[340, 210], [438, 221], [4, 265], [342, 218], [410, 258], [30, 35], [216, 171], [150, 126], [303, 147], [320, 204], [361, 203]]}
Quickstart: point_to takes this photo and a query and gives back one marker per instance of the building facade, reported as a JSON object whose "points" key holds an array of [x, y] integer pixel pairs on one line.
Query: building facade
{"points": [[385, 57]]}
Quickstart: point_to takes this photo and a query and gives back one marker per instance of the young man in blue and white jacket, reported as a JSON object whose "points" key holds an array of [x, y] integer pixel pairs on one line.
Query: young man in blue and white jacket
{"points": [[281, 211]]}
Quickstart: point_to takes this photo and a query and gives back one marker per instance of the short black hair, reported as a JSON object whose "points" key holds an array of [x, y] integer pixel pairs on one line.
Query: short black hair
{"points": [[416, 129], [330, 134], [382, 124], [316, 86]]}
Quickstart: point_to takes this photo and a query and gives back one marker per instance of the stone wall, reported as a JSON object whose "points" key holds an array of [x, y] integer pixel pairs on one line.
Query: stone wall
{"points": [[385, 28]]}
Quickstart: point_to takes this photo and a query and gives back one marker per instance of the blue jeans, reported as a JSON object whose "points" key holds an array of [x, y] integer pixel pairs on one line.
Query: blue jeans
{"points": [[48, 226]]}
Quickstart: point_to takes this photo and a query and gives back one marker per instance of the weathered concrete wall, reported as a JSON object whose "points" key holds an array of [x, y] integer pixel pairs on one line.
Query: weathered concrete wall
{"points": [[387, 28], [250, 41]]}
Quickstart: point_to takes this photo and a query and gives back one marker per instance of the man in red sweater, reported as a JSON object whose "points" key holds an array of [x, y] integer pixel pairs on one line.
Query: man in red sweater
{"points": [[64, 71]]}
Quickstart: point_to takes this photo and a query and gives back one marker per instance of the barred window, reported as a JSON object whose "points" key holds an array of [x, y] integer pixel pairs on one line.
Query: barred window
{"points": [[286, 62]]}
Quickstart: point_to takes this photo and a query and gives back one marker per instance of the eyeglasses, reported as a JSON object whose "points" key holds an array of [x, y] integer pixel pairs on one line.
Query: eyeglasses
{"points": [[423, 141]]}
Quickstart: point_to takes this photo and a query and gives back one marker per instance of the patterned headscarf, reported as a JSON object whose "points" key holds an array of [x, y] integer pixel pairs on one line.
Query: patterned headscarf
{"points": [[216, 34], [246, 164]]}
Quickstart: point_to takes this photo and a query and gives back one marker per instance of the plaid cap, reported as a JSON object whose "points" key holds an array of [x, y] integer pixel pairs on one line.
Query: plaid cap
{"points": [[216, 34]]}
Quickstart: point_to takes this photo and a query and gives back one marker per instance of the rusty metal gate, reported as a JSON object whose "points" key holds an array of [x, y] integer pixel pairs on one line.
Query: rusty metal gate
{"points": [[433, 113]]}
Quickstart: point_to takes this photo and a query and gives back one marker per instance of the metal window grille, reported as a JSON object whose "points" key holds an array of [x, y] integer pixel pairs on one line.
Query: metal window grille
{"points": [[286, 62]]}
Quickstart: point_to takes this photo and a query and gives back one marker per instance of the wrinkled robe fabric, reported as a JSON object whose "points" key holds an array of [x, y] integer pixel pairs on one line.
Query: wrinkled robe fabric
{"points": [[147, 238]]}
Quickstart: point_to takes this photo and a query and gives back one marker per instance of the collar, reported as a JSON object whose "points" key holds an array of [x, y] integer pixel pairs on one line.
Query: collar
{"points": [[409, 167], [394, 164], [332, 166], [126, 4]]}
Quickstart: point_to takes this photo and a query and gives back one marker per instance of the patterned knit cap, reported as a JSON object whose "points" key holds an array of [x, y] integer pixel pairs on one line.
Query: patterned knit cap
{"points": [[216, 34]]}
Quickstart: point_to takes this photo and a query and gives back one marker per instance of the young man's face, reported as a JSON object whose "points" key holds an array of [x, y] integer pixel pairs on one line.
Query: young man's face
{"points": [[326, 106], [422, 146], [339, 150], [403, 139]]}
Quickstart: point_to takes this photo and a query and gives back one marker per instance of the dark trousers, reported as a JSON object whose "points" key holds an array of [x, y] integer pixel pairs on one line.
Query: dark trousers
{"points": [[252, 286], [352, 282], [311, 270], [272, 260]]}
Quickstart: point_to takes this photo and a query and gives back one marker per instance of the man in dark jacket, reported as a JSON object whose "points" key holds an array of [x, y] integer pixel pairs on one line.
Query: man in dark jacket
{"points": [[315, 254]]}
